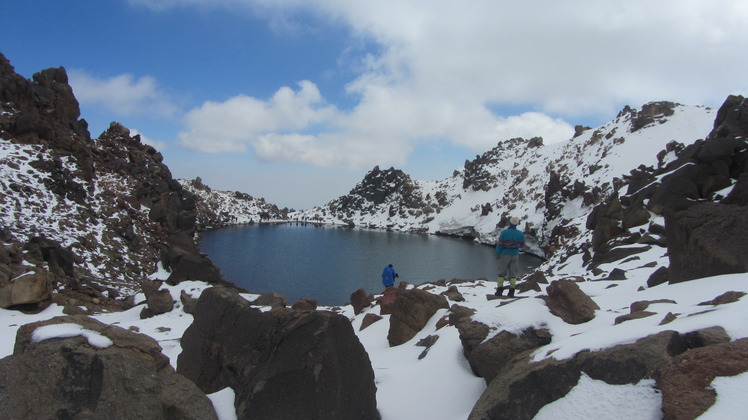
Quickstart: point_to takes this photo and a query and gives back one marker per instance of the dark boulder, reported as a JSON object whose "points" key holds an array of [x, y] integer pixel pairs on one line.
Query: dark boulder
{"points": [[121, 375], [707, 240], [194, 267], [660, 276], [282, 364], [567, 301], [453, 294], [159, 302], [412, 310], [274, 300], [61, 260]]}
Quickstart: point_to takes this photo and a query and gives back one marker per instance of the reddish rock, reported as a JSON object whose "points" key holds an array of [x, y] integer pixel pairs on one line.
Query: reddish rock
{"points": [[387, 301], [567, 301], [359, 301], [686, 393], [305, 304], [412, 310]]}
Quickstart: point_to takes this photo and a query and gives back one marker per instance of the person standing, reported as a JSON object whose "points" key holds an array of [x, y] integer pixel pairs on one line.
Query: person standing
{"points": [[388, 276], [510, 242]]}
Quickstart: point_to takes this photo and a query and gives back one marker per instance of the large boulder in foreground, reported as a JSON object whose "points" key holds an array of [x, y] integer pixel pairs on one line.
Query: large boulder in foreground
{"points": [[282, 364], [413, 309], [98, 372]]}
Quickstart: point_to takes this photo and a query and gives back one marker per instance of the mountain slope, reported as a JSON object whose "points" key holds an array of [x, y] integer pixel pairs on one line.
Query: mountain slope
{"points": [[217, 208], [551, 188], [85, 215]]}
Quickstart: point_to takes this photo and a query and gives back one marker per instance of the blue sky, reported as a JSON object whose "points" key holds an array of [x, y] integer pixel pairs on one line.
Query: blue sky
{"points": [[296, 100]]}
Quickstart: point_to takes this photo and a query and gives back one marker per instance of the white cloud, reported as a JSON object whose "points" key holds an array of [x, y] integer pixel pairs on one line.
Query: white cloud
{"points": [[442, 66], [123, 94]]}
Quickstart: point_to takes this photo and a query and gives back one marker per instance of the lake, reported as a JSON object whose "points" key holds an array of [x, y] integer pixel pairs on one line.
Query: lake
{"points": [[331, 262]]}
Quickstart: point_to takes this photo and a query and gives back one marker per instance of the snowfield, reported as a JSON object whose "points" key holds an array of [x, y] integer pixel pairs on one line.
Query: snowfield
{"points": [[441, 385]]}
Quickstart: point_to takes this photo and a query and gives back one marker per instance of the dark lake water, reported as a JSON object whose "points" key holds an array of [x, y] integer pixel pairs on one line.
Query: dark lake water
{"points": [[329, 263]]}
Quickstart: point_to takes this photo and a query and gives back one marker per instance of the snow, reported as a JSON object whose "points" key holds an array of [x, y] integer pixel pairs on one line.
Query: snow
{"points": [[732, 393], [70, 330], [441, 385], [592, 399], [223, 402]]}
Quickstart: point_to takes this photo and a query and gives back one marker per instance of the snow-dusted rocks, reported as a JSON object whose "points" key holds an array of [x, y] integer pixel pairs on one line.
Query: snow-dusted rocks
{"points": [[686, 390], [282, 363], [693, 201], [100, 371], [520, 389], [551, 188], [223, 208], [98, 214]]}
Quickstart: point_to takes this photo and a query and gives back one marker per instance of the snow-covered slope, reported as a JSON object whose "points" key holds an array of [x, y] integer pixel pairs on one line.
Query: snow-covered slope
{"points": [[95, 199], [546, 186], [442, 386], [217, 208]]}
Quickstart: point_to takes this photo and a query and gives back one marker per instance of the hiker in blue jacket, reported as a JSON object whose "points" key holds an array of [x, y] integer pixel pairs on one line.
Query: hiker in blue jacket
{"points": [[388, 276], [510, 242]]}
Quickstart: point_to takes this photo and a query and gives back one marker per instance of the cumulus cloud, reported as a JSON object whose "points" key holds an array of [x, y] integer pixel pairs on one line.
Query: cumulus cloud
{"points": [[444, 68], [123, 94]]}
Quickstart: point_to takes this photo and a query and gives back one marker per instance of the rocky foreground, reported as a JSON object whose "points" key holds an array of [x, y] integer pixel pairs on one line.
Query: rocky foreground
{"points": [[109, 311]]}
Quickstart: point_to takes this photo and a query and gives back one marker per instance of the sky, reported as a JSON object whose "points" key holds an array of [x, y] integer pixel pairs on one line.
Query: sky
{"points": [[296, 100]]}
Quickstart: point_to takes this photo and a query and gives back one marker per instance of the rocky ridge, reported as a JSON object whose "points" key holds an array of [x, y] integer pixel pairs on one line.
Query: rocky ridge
{"points": [[80, 218], [549, 187], [531, 351], [217, 208]]}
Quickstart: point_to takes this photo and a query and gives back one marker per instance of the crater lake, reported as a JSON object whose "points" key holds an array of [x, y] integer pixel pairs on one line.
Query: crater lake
{"points": [[329, 263]]}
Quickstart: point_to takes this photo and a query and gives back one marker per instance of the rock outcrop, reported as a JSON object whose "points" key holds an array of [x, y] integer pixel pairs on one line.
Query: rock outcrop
{"points": [[93, 370], [215, 208], [98, 214], [281, 364], [700, 189]]}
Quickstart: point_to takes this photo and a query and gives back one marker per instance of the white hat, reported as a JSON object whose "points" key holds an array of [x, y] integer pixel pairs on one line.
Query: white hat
{"points": [[514, 221]]}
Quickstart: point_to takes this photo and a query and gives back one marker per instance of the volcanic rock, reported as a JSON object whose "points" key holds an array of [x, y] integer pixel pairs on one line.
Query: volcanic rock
{"points": [[412, 310], [567, 301], [119, 375], [686, 393], [359, 301], [281, 364]]}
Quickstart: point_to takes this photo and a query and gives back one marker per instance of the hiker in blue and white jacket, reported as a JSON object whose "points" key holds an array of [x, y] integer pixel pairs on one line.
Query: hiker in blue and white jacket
{"points": [[510, 242]]}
